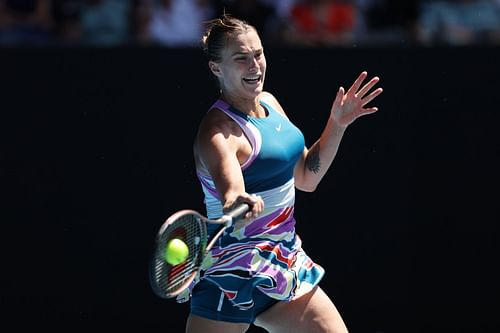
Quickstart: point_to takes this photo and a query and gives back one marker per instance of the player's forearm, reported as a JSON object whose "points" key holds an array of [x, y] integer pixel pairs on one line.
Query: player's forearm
{"points": [[321, 155]]}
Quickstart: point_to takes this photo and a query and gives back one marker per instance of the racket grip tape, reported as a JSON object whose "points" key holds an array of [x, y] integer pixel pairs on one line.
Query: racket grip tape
{"points": [[239, 212]]}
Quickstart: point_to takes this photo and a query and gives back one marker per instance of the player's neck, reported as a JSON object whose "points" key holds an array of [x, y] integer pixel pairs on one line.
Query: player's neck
{"points": [[250, 107]]}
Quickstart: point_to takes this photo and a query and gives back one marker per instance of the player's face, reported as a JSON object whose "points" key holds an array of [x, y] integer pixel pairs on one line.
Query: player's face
{"points": [[243, 66]]}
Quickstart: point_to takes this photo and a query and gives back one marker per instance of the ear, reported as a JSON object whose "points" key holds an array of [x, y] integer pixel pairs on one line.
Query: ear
{"points": [[214, 67]]}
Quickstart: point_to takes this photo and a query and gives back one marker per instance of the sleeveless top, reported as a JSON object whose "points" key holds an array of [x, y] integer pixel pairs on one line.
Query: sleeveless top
{"points": [[264, 253]]}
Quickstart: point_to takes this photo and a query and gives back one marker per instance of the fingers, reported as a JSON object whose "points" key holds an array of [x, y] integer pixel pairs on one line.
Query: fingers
{"points": [[363, 91], [256, 204], [368, 111], [256, 208], [338, 98], [372, 95], [360, 93], [355, 86]]}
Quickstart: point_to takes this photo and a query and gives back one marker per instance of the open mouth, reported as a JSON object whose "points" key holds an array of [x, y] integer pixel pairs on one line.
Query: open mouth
{"points": [[253, 79]]}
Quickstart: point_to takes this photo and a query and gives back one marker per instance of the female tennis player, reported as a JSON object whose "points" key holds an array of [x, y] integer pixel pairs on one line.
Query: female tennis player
{"points": [[247, 150]]}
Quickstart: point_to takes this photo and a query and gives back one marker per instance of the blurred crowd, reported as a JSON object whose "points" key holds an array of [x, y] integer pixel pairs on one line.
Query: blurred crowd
{"points": [[179, 23]]}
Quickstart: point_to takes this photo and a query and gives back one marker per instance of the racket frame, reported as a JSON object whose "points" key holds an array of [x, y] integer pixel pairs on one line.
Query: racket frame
{"points": [[157, 274]]}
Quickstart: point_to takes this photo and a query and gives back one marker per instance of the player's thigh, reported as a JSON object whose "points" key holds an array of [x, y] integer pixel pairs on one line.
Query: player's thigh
{"points": [[197, 324], [313, 312]]}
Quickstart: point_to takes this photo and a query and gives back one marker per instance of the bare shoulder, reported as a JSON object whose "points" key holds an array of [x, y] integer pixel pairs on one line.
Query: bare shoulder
{"points": [[218, 137], [216, 125], [269, 98]]}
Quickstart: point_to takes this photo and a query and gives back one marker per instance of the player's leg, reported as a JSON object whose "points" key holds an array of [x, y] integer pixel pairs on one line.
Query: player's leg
{"points": [[313, 312], [211, 312], [196, 324]]}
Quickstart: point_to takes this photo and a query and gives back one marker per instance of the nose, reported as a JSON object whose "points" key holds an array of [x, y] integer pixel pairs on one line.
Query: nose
{"points": [[254, 65]]}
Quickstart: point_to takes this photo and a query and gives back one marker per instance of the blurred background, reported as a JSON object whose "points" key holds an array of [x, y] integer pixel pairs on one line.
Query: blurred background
{"points": [[313, 23], [99, 103]]}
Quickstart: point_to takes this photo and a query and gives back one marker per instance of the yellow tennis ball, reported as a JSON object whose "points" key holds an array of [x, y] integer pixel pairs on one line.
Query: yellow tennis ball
{"points": [[176, 251]]}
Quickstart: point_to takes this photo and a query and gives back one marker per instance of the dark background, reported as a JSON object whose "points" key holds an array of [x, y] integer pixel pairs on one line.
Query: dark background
{"points": [[96, 153]]}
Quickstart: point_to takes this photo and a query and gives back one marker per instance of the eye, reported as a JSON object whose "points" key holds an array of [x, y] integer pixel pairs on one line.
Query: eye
{"points": [[240, 58]]}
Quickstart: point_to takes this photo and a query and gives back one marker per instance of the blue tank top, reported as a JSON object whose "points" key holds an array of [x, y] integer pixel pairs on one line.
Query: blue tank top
{"points": [[277, 147]]}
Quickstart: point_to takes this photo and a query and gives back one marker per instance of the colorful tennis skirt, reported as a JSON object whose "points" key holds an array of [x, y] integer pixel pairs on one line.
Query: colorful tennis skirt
{"points": [[265, 253]]}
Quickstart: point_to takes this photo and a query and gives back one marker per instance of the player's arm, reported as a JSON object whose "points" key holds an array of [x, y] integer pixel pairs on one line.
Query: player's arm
{"points": [[316, 160], [347, 107], [218, 147]]}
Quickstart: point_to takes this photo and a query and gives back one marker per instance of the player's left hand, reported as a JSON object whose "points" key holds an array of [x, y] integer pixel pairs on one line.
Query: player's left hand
{"points": [[350, 105]]}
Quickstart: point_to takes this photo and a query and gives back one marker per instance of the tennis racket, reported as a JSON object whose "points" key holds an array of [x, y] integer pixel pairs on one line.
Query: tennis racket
{"points": [[168, 280]]}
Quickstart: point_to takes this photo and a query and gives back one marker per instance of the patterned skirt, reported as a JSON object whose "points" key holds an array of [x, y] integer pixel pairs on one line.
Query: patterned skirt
{"points": [[266, 254]]}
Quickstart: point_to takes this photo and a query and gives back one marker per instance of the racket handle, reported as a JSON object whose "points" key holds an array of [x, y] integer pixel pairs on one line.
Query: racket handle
{"points": [[239, 212]]}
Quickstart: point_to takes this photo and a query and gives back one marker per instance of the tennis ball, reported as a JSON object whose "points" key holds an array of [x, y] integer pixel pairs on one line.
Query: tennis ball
{"points": [[176, 251]]}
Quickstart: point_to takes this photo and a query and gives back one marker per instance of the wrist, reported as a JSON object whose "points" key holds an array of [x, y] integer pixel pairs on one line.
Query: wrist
{"points": [[337, 126]]}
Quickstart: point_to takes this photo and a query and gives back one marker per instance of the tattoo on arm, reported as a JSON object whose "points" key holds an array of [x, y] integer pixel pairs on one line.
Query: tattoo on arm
{"points": [[312, 161]]}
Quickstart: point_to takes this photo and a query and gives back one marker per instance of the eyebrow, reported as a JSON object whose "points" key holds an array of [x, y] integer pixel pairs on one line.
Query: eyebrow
{"points": [[245, 52]]}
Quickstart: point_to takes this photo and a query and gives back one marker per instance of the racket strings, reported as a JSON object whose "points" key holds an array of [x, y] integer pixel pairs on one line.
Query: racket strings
{"points": [[173, 278]]}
